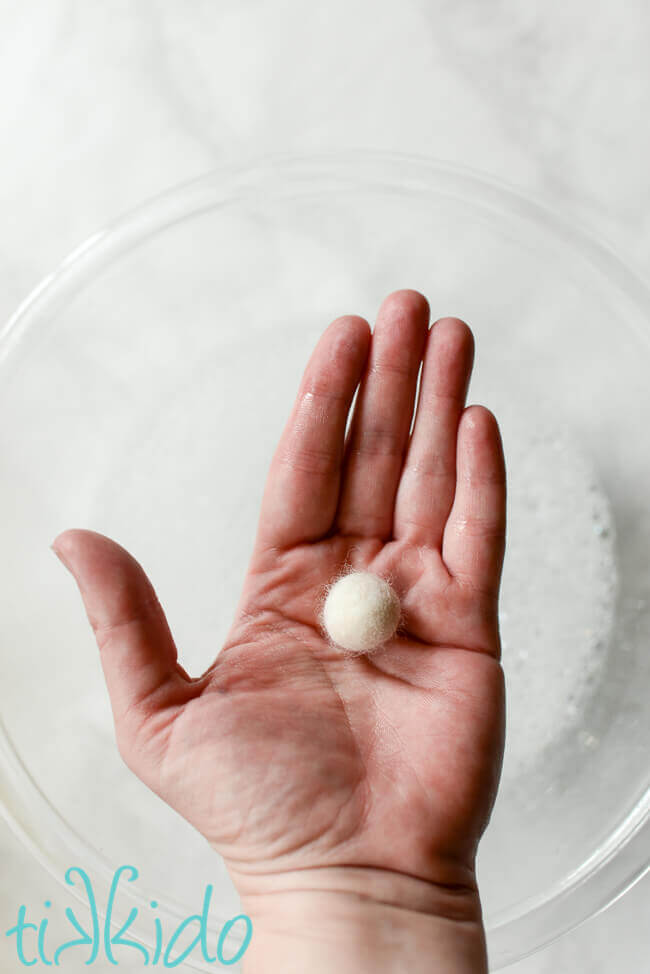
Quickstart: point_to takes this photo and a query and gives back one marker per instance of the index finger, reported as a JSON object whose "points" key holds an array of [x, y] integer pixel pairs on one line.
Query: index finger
{"points": [[302, 488]]}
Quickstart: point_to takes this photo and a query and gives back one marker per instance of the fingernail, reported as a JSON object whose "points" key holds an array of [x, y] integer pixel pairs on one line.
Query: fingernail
{"points": [[60, 556]]}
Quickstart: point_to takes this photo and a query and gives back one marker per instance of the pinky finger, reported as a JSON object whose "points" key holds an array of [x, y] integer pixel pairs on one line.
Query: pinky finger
{"points": [[473, 543]]}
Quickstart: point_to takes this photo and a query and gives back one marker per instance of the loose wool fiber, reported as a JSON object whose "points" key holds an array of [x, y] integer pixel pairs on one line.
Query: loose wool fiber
{"points": [[361, 612]]}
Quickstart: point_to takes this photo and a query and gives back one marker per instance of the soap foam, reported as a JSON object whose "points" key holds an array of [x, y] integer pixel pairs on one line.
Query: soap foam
{"points": [[558, 590]]}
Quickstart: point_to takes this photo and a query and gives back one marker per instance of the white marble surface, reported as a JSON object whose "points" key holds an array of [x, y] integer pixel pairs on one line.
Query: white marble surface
{"points": [[105, 104]]}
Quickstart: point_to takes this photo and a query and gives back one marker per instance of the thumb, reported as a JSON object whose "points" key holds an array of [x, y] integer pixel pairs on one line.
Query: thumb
{"points": [[137, 651]]}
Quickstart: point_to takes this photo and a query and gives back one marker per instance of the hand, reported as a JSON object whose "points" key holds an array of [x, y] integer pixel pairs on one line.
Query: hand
{"points": [[373, 776]]}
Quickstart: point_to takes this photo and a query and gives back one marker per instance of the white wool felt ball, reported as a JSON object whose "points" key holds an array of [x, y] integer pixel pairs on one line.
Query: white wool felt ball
{"points": [[361, 612]]}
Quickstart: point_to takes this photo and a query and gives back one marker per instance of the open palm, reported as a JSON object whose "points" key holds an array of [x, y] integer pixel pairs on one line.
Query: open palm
{"points": [[286, 753]]}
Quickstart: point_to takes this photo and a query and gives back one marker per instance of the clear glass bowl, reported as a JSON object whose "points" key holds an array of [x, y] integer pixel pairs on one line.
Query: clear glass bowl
{"points": [[143, 387]]}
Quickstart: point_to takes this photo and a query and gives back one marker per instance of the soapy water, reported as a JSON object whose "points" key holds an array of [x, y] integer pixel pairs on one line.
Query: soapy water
{"points": [[558, 591]]}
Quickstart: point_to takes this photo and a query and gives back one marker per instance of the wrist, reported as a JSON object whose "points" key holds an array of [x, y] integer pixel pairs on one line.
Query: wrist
{"points": [[355, 919]]}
